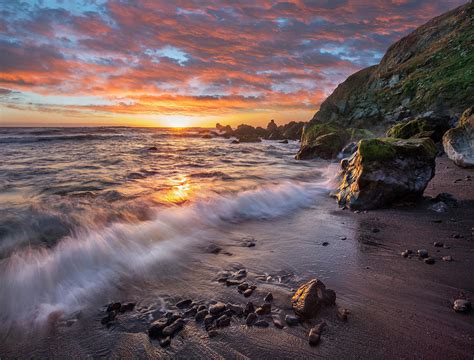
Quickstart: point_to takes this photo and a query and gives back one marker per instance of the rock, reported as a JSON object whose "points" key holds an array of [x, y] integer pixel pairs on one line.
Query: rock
{"points": [[309, 297], [208, 320], [114, 307], [175, 327], [426, 125], [283, 142], [206, 136], [231, 282], [292, 320], [152, 148], [406, 253], [201, 315], [223, 321], [109, 318], [217, 308], [458, 143], [248, 292], [429, 261], [322, 140], [325, 243], [383, 171], [127, 307], [271, 127], [191, 312], [249, 308], [213, 249], [348, 150], [184, 304], [462, 305], [375, 230], [447, 258], [251, 319], [235, 142], [165, 342], [268, 297], [212, 333], [156, 328], [242, 287], [422, 253], [201, 308], [446, 198], [438, 244], [439, 207], [278, 323], [236, 309], [314, 337], [342, 314], [318, 328], [261, 323]]}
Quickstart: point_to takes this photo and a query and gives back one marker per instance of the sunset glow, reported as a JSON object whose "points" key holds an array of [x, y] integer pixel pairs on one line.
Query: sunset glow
{"points": [[183, 63]]}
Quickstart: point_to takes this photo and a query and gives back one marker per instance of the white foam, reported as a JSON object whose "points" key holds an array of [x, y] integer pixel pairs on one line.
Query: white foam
{"points": [[36, 282]]}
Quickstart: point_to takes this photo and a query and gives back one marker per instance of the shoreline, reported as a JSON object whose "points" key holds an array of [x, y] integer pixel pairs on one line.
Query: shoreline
{"points": [[399, 307]]}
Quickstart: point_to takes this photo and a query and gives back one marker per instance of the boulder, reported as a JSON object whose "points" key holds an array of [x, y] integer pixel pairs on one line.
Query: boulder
{"points": [[426, 125], [458, 143], [293, 130], [309, 298], [385, 170], [272, 127], [322, 140]]}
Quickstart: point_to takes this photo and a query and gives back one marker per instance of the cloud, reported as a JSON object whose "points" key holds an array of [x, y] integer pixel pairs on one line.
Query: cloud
{"points": [[186, 57]]}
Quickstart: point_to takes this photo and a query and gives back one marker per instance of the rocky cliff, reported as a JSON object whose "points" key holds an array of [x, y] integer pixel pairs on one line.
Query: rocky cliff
{"points": [[431, 69]]}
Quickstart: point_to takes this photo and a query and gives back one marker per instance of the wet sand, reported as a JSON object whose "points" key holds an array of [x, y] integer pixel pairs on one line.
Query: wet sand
{"points": [[400, 307]]}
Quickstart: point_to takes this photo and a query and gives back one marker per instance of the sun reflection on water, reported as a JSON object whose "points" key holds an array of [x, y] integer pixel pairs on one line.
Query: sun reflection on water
{"points": [[179, 192]]}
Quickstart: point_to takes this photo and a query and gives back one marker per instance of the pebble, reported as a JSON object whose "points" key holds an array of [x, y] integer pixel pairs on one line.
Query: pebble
{"points": [[223, 321], [191, 312], [156, 328], [165, 342], [278, 323], [292, 320], [325, 243], [172, 329], [462, 305], [212, 333], [343, 238], [249, 308], [251, 319], [375, 230], [438, 244], [114, 307], [248, 292], [447, 258], [217, 308], [429, 261], [213, 249], [184, 304], [235, 309], [457, 236], [232, 282], [268, 297], [342, 314], [107, 319], [242, 287], [127, 307], [438, 221], [202, 307], [313, 337], [208, 320], [267, 307], [422, 253], [405, 253], [261, 323], [201, 315]]}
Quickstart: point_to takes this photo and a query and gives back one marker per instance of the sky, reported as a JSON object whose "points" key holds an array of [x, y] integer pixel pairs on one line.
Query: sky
{"points": [[189, 62]]}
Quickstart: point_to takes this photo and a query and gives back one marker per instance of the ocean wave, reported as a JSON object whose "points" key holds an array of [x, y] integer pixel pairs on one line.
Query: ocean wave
{"points": [[36, 139], [37, 283]]}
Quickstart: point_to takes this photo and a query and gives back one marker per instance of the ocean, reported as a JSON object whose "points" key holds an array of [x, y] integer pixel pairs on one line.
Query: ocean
{"points": [[85, 209]]}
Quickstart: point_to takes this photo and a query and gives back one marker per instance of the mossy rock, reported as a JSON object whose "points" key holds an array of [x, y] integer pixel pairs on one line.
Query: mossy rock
{"points": [[431, 126], [322, 140], [386, 149]]}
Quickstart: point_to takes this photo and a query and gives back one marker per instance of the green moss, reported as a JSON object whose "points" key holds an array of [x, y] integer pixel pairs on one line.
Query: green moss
{"points": [[409, 129], [376, 150], [359, 134]]}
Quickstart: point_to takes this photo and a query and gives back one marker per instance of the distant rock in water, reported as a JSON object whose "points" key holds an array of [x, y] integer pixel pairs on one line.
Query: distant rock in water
{"points": [[429, 70], [386, 170], [458, 143]]}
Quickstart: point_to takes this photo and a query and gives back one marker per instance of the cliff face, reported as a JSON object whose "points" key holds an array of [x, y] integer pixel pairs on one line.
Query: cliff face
{"points": [[431, 69]]}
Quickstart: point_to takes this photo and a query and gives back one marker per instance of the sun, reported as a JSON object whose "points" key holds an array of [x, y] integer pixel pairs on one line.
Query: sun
{"points": [[178, 121]]}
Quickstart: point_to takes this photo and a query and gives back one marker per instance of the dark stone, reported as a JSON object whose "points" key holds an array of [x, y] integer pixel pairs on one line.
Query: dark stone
{"points": [[217, 308], [202, 307], [191, 312], [235, 309], [278, 323], [232, 282], [212, 333], [213, 249], [251, 319], [172, 329], [127, 307], [248, 292], [342, 314], [208, 320], [313, 338], [184, 304], [242, 287], [107, 319], [223, 321], [292, 320], [153, 148], [156, 328], [438, 244], [462, 305], [429, 261], [268, 297], [114, 307], [165, 342], [325, 243], [375, 230], [261, 323], [249, 308], [422, 253], [201, 315]]}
